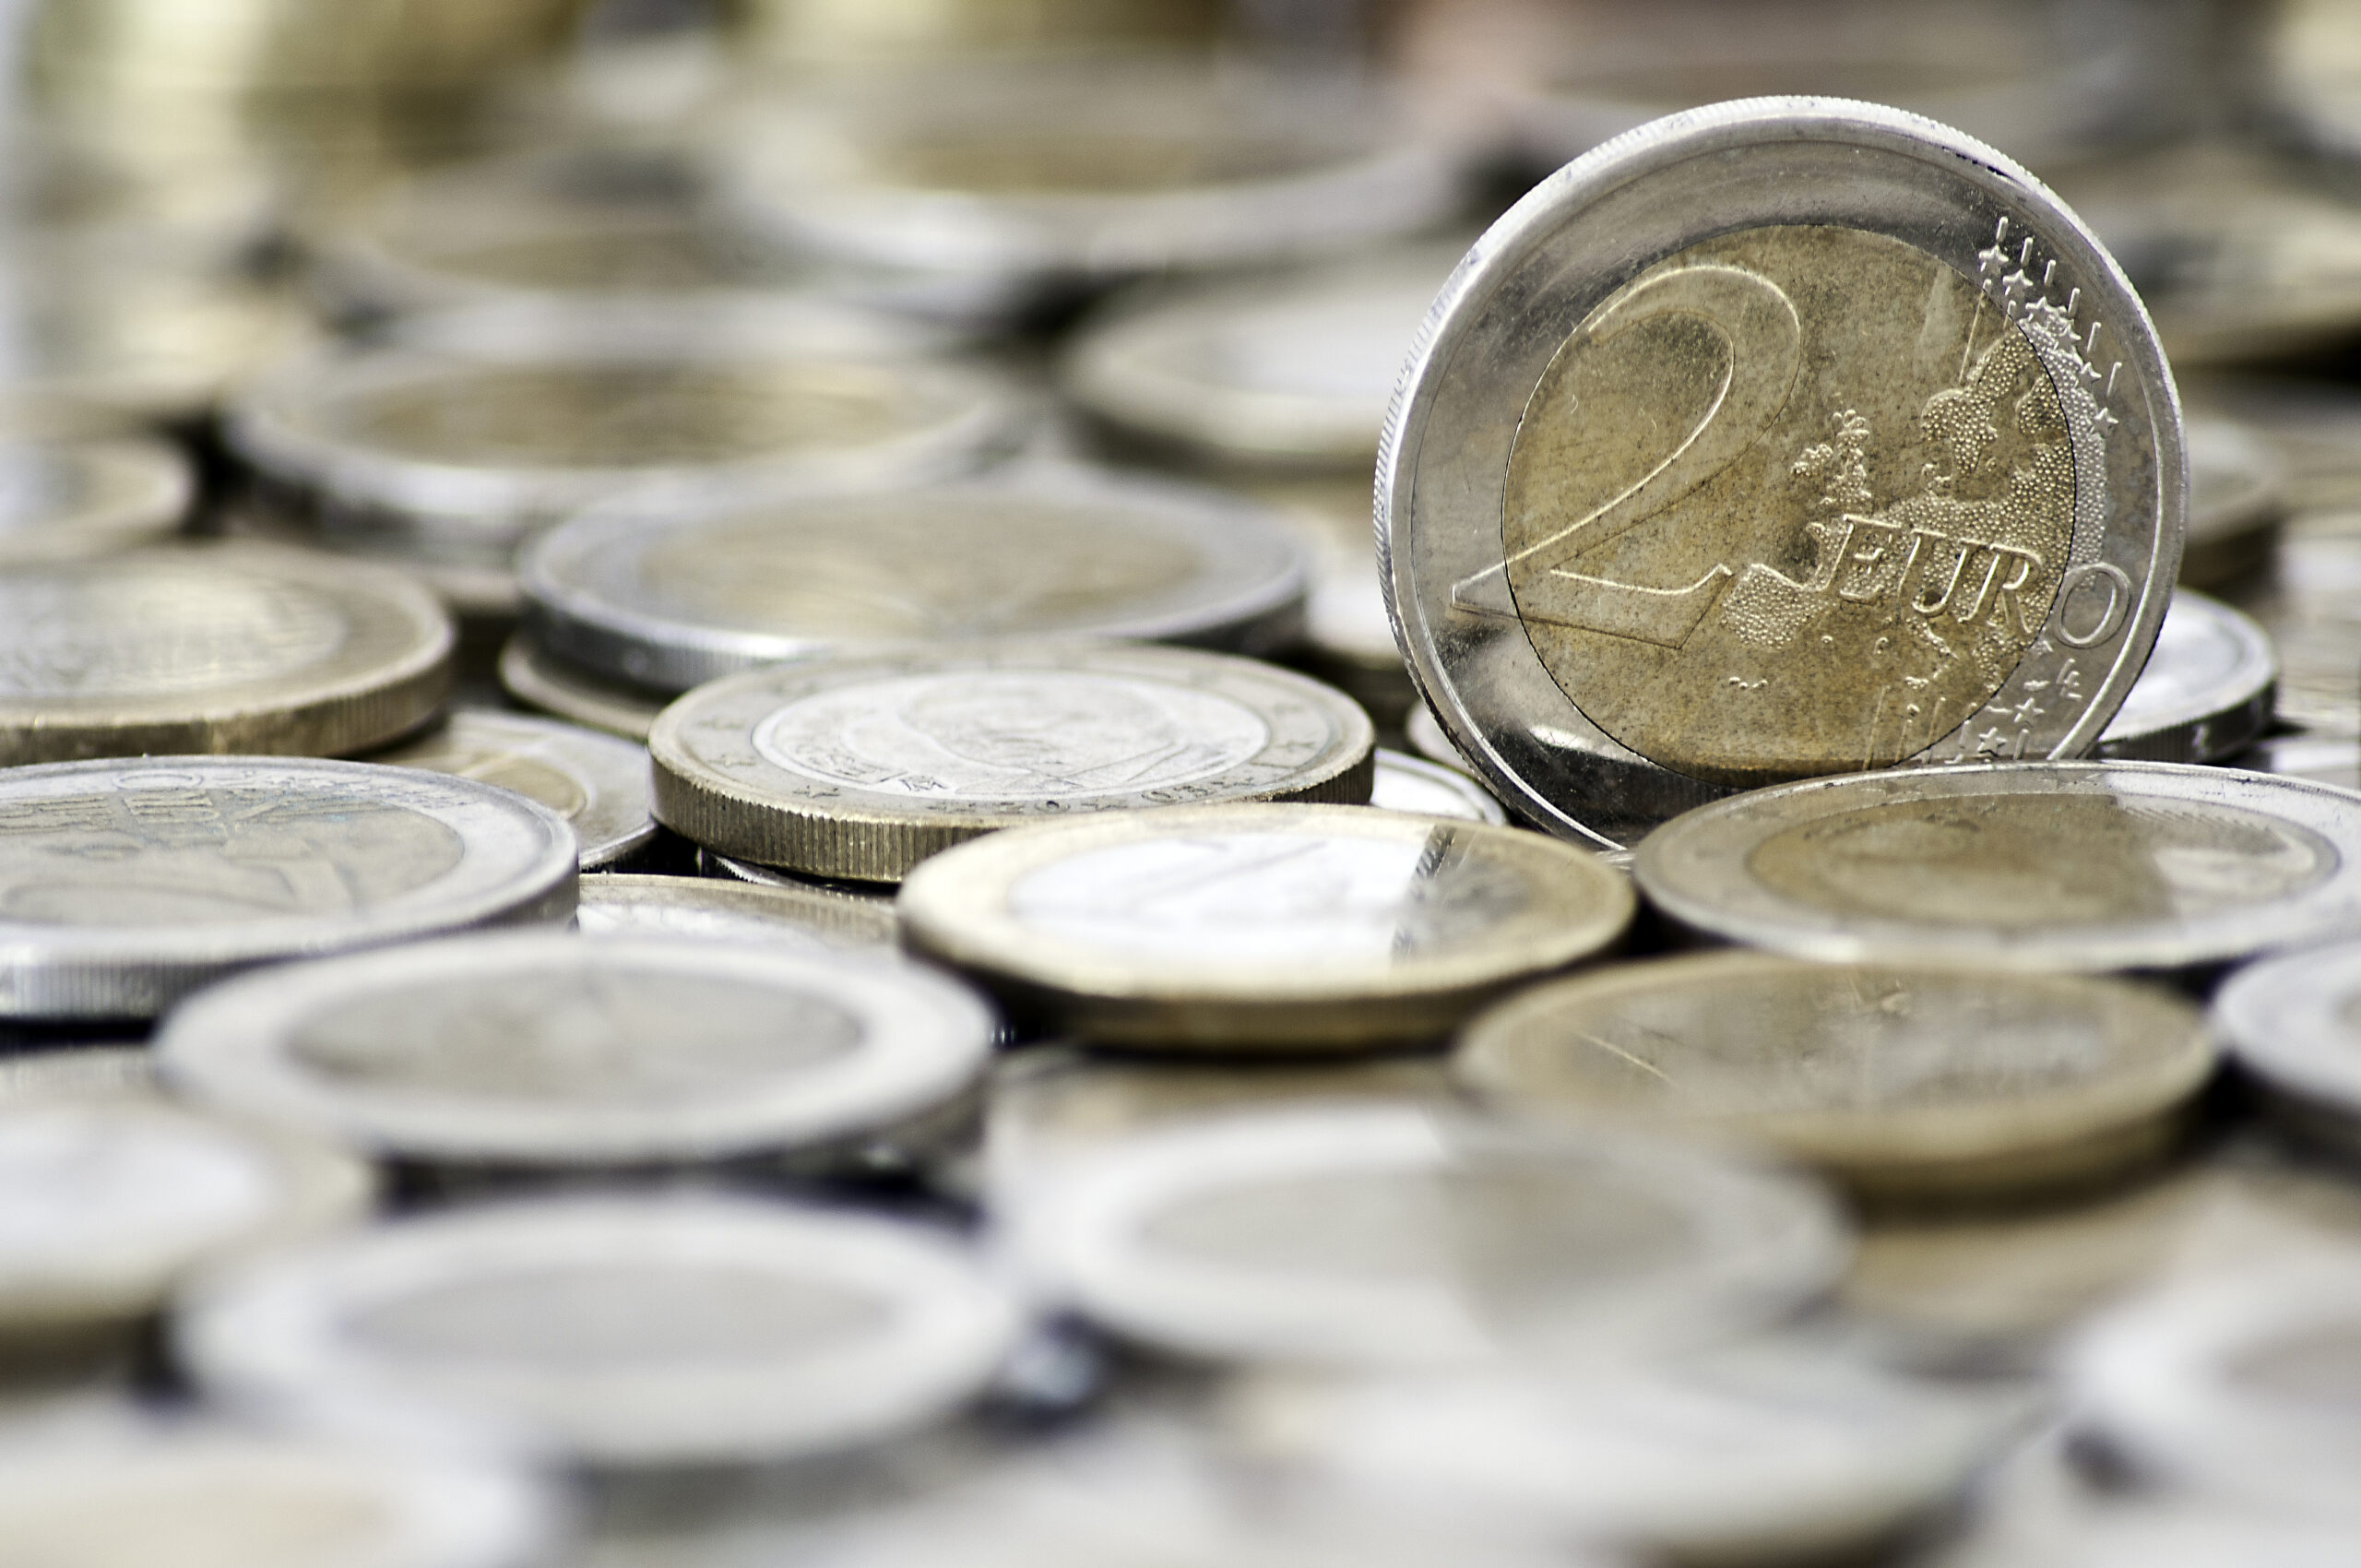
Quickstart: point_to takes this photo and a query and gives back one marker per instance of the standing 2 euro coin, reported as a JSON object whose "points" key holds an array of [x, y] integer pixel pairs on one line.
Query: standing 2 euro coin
{"points": [[1780, 438]]}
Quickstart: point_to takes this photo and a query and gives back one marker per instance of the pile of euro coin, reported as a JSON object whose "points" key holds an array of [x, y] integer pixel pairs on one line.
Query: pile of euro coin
{"points": [[723, 843]]}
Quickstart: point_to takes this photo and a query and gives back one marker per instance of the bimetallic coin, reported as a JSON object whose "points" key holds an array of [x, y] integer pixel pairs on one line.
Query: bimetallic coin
{"points": [[1430, 788], [860, 768], [124, 885], [203, 1495], [1781, 438], [1037, 553], [1901, 1081], [2058, 866], [2291, 1022], [1394, 1237], [619, 1332], [1260, 928], [795, 918], [598, 783], [2206, 692], [65, 499], [226, 649], [2236, 500], [554, 1053], [539, 679]]}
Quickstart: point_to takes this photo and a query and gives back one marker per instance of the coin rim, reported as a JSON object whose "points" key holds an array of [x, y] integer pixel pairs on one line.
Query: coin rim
{"points": [[2218, 722]]}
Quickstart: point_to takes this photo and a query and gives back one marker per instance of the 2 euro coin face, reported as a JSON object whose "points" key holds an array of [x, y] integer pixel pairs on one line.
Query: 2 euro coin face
{"points": [[1781, 438]]}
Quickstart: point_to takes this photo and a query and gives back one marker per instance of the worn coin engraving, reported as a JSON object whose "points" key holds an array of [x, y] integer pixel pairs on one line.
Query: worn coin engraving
{"points": [[158, 628]]}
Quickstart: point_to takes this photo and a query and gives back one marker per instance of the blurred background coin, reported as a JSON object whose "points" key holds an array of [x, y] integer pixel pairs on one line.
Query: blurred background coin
{"points": [[61, 499], [2205, 693], [860, 768], [2323, 759], [2236, 499], [552, 1053], [231, 649], [77, 1070], [598, 783], [2290, 1023], [1925, 1083], [618, 1333], [877, 895], [1260, 928], [1945, 554], [1430, 788], [124, 885], [540, 680], [712, 910], [2058, 866]]}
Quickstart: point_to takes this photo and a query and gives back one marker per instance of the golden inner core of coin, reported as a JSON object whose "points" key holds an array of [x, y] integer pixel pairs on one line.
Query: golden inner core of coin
{"points": [[1793, 501]]}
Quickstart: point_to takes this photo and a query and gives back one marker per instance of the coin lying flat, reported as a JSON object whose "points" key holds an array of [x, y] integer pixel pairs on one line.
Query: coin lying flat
{"points": [[80, 1072], [2206, 692], [598, 783], [539, 679], [1901, 1081], [2058, 866], [1390, 1236], [124, 885], [871, 895], [711, 910], [860, 768], [203, 1495], [1783, 439], [550, 1051], [619, 1331], [61, 499], [1430, 788], [2236, 500], [2290, 1022], [1036, 553], [2322, 759], [1261, 927], [228, 648], [1348, 639]]}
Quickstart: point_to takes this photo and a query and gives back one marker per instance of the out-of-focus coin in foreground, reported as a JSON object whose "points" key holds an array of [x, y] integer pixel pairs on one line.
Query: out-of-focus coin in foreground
{"points": [[620, 1332], [860, 768], [1393, 1236], [65, 499], [1781, 438], [1430, 788], [1261, 927], [1036, 553], [228, 648], [195, 1494], [598, 783], [2236, 499], [2053, 866], [2206, 692], [550, 1052], [714, 910], [1904, 1082], [540, 680], [124, 885], [2294, 1023]]}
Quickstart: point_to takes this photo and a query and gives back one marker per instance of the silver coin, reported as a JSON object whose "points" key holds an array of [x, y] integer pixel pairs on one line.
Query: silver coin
{"points": [[80, 1072], [1345, 625], [2290, 1021], [869, 894], [860, 768], [2058, 866], [550, 1052], [620, 1332], [1037, 553], [2205, 693], [1613, 624], [124, 885], [599, 784], [540, 680], [783, 915], [1383, 1236], [2236, 500], [472, 589], [1430, 789], [1426, 736], [2322, 759], [61, 499], [146, 1493]]}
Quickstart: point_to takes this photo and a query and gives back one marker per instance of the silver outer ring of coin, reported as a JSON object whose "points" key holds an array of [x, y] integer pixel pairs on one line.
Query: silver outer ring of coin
{"points": [[537, 678], [1599, 221], [284, 426], [413, 1510], [2287, 1020], [2220, 721], [1768, 1241], [1688, 869], [924, 1039], [712, 909], [295, 714], [609, 773], [127, 491], [1400, 778], [524, 875], [721, 779], [277, 1335], [573, 616]]}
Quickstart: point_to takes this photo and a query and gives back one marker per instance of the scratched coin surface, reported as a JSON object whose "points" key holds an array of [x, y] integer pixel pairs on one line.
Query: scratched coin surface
{"points": [[1262, 927], [596, 783], [87, 498], [860, 768], [2206, 692], [709, 909], [124, 885], [1899, 1080], [1781, 438], [549, 1051], [224, 648], [1040, 552], [2055, 866]]}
